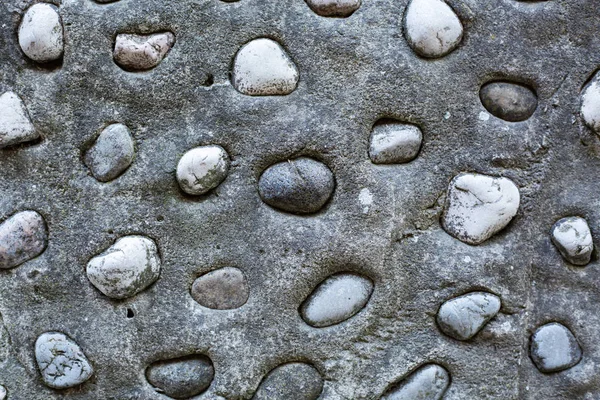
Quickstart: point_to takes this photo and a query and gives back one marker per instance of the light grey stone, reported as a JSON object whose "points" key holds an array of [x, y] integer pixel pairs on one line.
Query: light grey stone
{"points": [[479, 206], [509, 101], [292, 381], [126, 268], [61, 361], [3, 393], [429, 382], [15, 124], [464, 316], [573, 239], [137, 52], [393, 142], [590, 104], [181, 378], [263, 68], [202, 169], [23, 237], [41, 33], [111, 154], [554, 348], [336, 299], [221, 289], [334, 8]]}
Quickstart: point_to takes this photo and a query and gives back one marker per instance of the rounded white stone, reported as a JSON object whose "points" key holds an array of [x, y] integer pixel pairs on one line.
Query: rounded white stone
{"points": [[202, 169], [590, 105], [262, 67], [15, 125], [111, 154], [464, 316], [573, 239], [429, 382], [334, 8], [41, 33], [432, 28], [134, 52], [554, 348], [3, 392], [395, 143]]}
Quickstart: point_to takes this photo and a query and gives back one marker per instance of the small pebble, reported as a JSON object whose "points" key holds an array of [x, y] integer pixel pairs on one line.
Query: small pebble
{"points": [[135, 52], [126, 268], [23, 237], [464, 316], [336, 299], [573, 239], [181, 378], [293, 381], [395, 143], [554, 348], [15, 125], [508, 101], [41, 33], [111, 154], [590, 104], [61, 361], [222, 289], [300, 186], [479, 206], [3, 393], [263, 68], [334, 8], [202, 169], [432, 28], [429, 382]]}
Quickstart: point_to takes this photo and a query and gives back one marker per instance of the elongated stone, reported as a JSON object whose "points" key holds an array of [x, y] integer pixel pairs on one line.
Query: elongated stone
{"points": [[15, 125], [222, 289], [464, 316], [334, 8], [111, 154], [572, 237], [23, 237], [590, 104], [394, 142], [181, 378], [202, 169], [292, 381], [41, 33], [429, 382], [136, 52], [554, 348], [508, 101]]}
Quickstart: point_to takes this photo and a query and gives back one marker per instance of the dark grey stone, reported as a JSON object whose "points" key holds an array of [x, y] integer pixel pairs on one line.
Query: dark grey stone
{"points": [[181, 378], [293, 381], [509, 101], [23, 237], [222, 289], [111, 154]]}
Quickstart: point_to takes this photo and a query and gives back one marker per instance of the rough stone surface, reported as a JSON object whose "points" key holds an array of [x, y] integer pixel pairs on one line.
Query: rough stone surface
{"points": [[135, 52], [590, 104], [334, 8], [293, 381], [41, 33], [23, 236], [394, 142], [202, 169], [183, 377], [572, 237], [464, 316], [554, 348], [15, 124], [508, 101], [222, 289], [111, 154], [429, 382]]}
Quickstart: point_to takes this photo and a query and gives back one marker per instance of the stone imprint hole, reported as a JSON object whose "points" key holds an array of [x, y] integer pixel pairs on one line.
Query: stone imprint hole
{"points": [[130, 313]]}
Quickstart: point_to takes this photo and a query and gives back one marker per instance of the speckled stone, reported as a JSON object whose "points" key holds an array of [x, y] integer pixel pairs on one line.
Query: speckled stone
{"points": [[554, 348], [41, 33], [429, 382], [334, 8], [23, 237], [15, 124], [111, 154], [572, 237], [292, 381], [202, 169], [464, 316], [221, 289], [394, 142], [509, 101], [181, 378], [136, 52]]}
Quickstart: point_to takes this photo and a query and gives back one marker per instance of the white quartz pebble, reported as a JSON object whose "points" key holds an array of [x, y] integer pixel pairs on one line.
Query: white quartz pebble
{"points": [[202, 169], [429, 382], [464, 316], [41, 33], [136, 52], [590, 104], [573, 239], [15, 125], [554, 348], [394, 143], [61, 361]]}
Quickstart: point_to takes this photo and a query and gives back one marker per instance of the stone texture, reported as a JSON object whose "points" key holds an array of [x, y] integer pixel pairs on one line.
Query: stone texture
{"points": [[221, 289], [202, 169], [509, 101], [136, 52], [572, 237], [111, 154], [554, 348], [23, 236], [590, 104], [334, 8], [293, 381], [429, 382], [464, 316], [15, 124], [393, 142], [61, 361], [183, 377], [41, 33]]}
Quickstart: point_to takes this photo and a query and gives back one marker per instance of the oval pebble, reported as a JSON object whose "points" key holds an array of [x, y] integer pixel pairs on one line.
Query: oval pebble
{"points": [[15, 124], [554, 348], [432, 28], [111, 154], [263, 68], [464, 316], [61, 361], [508, 101], [336, 299], [429, 382], [181, 378], [126, 268], [394, 142], [334, 8], [590, 104], [23, 237], [3, 393], [41, 33], [135, 52], [221, 289], [202, 169], [479, 206], [573, 239], [300, 186], [292, 381]]}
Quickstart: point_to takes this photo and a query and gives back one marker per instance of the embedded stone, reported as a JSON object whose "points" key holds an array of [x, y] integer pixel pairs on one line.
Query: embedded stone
{"points": [[222, 289], [336, 299], [136, 52], [464, 316], [429, 382], [61, 361], [15, 125], [23, 237], [300, 186], [3, 392], [181, 378], [263, 68], [292, 381], [126, 268], [432, 28], [508, 101], [573, 239], [202, 169], [590, 104], [41, 33], [334, 8], [394, 142], [479, 206], [111, 154], [554, 348]]}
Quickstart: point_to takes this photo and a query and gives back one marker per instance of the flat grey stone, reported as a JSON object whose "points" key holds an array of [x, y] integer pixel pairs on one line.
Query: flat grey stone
{"points": [[509, 101], [181, 378], [202, 169], [15, 124], [429, 382], [394, 142], [336, 299], [23, 236], [221, 289], [554, 348], [300, 186], [479, 206], [136, 52], [111, 154], [61, 361], [334, 8], [572, 237], [464, 316], [41, 33], [590, 104], [126, 268], [292, 381]]}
